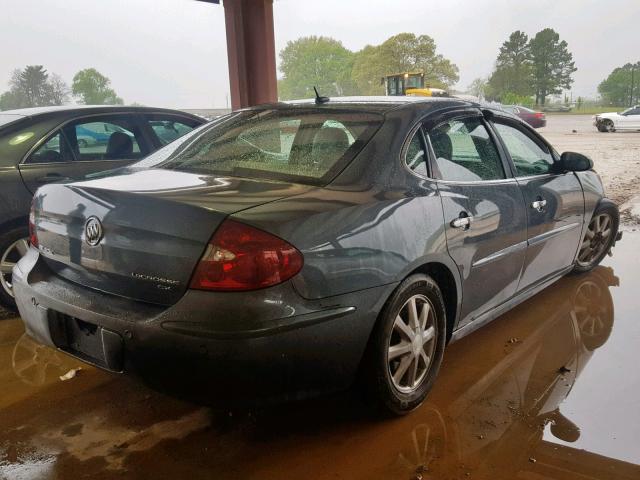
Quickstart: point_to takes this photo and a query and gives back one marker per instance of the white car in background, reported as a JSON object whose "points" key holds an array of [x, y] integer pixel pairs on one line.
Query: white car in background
{"points": [[626, 120]]}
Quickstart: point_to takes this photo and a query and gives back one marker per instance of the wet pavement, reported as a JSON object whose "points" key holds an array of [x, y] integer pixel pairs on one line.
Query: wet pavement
{"points": [[550, 390]]}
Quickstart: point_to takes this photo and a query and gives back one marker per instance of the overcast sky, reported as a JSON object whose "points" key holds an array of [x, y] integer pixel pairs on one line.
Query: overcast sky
{"points": [[173, 53]]}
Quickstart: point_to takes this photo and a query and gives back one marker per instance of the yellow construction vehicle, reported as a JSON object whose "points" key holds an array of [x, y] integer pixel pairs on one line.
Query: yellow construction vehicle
{"points": [[411, 84]]}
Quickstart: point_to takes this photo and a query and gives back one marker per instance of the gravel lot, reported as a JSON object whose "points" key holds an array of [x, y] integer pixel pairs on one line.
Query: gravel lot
{"points": [[616, 157]]}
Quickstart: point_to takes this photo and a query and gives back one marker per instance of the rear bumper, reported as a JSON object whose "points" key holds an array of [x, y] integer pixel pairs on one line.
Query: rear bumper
{"points": [[537, 122], [267, 343]]}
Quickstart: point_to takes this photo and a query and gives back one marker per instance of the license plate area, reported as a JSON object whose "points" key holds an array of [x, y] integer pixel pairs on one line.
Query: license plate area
{"points": [[87, 341]]}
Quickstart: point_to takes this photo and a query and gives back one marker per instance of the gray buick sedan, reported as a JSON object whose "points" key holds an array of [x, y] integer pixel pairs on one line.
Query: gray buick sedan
{"points": [[292, 248]]}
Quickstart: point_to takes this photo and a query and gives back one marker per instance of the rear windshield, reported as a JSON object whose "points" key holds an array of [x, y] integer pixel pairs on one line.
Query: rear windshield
{"points": [[303, 145]]}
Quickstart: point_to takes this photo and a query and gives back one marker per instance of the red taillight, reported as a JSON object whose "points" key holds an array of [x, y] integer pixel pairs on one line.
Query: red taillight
{"points": [[240, 257], [33, 234], [539, 115]]}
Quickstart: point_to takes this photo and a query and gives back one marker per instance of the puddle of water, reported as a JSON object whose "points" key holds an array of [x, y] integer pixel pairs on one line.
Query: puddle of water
{"points": [[547, 391]]}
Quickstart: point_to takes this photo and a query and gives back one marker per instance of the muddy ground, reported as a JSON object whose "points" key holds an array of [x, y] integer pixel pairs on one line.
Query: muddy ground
{"points": [[616, 157]]}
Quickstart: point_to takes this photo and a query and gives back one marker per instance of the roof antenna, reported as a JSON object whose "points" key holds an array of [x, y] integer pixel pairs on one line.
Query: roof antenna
{"points": [[320, 100]]}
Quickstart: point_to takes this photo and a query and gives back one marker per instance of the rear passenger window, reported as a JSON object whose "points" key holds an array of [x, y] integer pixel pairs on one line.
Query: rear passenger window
{"points": [[118, 138], [465, 152], [415, 157], [529, 157], [54, 150]]}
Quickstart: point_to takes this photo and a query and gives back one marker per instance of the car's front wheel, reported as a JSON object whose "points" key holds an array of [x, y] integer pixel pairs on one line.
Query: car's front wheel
{"points": [[609, 126], [13, 246], [407, 345], [599, 237]]}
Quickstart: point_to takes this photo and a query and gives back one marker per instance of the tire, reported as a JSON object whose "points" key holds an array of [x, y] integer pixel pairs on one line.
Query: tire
{"points": [[599, 243], [10, 252], [601, 128], [608, 126], [401, 395]]}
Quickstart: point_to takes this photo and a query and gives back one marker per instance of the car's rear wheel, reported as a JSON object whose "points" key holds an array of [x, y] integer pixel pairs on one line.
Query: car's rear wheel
{"points": [[598, 238], [13, 246], [407, 345]]}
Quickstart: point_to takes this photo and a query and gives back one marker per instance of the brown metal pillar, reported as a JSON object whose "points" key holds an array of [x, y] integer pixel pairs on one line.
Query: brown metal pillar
{"points": [[251, 52]]}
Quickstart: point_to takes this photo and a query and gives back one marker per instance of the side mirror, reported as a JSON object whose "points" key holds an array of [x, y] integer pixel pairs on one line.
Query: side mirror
{"points": [[575, 162]]}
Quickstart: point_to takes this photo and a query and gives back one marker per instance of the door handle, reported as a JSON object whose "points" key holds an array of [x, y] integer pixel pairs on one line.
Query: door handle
{"points": [[53, 177], [462, 221], [539, 204]]}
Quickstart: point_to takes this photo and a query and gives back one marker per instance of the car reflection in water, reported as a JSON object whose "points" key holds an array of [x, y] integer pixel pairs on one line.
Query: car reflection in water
{"points": [[488, 416], [496, 411], [495, 428]]}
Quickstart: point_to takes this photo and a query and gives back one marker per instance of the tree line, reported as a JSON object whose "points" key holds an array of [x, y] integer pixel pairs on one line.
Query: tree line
{"points": [[33, 86], [325, 63], [529, 69], [622, 87]]}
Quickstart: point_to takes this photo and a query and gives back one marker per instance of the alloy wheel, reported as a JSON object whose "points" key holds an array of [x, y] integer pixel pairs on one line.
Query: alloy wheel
{"points": [[596, 239], [590, 309], [9, 258], [412, 344]]}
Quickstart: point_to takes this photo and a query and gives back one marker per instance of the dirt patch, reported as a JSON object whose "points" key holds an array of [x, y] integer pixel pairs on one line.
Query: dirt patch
{"points": [[616, 156]]}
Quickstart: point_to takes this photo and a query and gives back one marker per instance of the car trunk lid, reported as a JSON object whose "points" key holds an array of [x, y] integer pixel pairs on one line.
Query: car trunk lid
{"points": [[140, 234]]}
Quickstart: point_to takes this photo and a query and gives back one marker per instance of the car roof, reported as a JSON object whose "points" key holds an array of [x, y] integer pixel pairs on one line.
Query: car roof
{"points": [[380, 104], [70, 109]]}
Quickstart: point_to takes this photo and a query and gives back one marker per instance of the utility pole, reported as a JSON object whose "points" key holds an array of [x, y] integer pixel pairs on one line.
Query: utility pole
{"points": [[633, 68]]}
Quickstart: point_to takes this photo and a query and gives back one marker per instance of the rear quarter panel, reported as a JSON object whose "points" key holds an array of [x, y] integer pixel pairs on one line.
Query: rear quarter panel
{"points": [[374, 225]]}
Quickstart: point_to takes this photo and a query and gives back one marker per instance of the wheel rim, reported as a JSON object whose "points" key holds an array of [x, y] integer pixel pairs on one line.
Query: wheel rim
{"points": [[10, 257], [412, 344], [590, 310], [609, 126], [596, 239]]}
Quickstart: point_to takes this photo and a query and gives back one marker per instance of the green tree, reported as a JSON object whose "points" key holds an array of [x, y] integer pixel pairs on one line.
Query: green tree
{"points": [[58, 90], [513, 67], [34, 87], [616, 88], [32, 84], [510, 98], [315, 61], [93, 88], [552, 64], [478, 87], [368, 70], [404, 52]]}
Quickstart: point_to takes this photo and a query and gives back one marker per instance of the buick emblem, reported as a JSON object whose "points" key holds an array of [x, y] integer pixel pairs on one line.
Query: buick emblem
{"points": [[93, 231]]}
